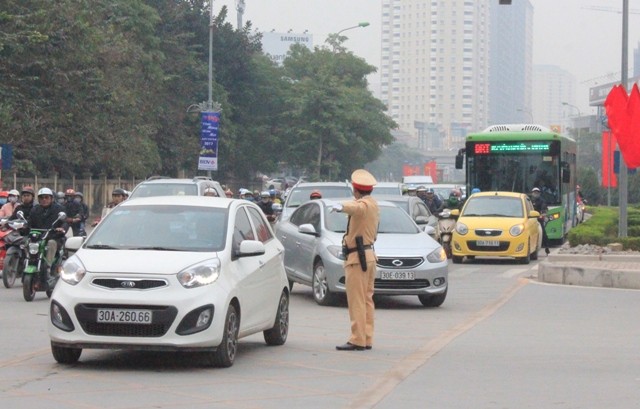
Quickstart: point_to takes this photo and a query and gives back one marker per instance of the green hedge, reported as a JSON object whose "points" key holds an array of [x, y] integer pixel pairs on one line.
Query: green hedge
{"points": [[602, 228]]}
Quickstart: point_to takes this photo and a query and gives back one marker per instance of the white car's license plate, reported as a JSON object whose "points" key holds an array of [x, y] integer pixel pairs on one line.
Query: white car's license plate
{"points": [[489, 243], [118, 316], [397, 275]]}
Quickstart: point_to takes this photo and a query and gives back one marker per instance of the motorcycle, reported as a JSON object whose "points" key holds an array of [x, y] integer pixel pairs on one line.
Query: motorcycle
{"points": [[446, 224], [14, 261], [38, 276]]}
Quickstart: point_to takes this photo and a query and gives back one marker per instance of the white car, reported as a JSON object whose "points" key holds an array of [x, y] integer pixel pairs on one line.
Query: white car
{"points": [[172, 273]]}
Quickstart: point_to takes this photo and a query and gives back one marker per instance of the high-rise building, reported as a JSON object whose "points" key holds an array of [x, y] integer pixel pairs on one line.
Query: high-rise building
{"points": [[551, 87], [510, 62], [636, 61]]}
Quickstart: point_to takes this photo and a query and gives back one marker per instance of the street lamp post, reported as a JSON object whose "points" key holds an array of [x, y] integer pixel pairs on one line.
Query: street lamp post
{"points": [[579, 115], [526, 111], [622, 179]]}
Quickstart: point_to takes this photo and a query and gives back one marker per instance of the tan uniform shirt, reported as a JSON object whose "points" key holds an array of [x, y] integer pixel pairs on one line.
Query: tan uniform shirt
{"points": [[365, 217]]}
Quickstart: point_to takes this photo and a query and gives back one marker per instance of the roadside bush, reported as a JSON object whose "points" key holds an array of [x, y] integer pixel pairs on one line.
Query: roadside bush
{"points": [[602, 228]]}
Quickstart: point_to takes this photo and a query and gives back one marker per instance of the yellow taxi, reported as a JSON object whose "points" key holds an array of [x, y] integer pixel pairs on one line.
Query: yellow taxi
{"points": [[497, 224]]}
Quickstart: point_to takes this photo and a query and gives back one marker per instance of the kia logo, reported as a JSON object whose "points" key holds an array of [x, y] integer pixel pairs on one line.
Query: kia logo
{"points": [[397, 263], [128, 284]]}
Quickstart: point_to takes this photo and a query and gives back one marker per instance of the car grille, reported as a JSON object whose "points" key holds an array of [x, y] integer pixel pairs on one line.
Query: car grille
{"points": [[488, 232], [124, 284], [400, 285], [163, 317], [504, 245], [407, 262]]}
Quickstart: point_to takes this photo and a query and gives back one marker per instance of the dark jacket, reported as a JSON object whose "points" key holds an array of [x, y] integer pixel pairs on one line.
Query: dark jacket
{"points": [[539, 205], [43, 218], [26, 209]]}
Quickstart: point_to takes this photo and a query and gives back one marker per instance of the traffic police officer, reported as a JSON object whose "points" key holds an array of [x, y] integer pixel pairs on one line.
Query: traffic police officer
{"points": [[360, 263]]}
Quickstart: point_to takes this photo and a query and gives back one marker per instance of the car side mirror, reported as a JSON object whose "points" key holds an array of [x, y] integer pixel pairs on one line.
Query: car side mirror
{"points": [[422, 220], [249, 248], [454, 213], [308, 228], [534, 214]]}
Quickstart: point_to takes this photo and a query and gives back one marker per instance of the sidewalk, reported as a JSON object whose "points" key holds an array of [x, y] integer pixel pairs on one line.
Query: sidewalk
{"points": [[605, 270]]}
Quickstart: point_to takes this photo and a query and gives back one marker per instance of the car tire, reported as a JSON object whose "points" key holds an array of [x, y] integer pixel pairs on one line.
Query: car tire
{"points": [[64, 355], [320, 285], [10, 269], [456, 259], [534, 255], [225, 354], [278, 334], [429, 300], [28, 292]]}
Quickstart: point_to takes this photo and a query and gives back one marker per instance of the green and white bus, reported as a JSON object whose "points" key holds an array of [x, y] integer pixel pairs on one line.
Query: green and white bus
{"points": [[517, 158]]}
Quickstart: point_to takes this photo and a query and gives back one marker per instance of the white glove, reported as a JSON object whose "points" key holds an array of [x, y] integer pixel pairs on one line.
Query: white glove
{"points": [[336, 208]]}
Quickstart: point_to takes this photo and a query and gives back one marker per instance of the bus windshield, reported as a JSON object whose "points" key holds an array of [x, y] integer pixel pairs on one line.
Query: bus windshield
{"points": [[516, 172]]}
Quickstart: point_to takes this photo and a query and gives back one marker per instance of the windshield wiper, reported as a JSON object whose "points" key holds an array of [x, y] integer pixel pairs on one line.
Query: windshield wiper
{"points": [[155, 248], [102, 246]]}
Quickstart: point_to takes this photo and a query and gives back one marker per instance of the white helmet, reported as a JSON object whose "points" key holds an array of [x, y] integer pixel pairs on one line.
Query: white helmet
{"points": [[45, 191], [14, 192]]}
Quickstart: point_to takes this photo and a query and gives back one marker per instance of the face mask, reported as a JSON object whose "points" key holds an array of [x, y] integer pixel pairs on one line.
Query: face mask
{"points": [[76, 200], [13, 199]]}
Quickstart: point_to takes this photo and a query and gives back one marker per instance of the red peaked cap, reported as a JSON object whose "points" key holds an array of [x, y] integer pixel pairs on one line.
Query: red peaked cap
{"points": [[363, 180]]}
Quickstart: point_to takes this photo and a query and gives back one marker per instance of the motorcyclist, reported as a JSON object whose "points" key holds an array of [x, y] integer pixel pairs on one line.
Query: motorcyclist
{"points": [[12, 202], [274, 196], [73, 210], [84, 214], [266, 205], [315, 195], [117, 196], [541, 207], [60, 198], [454, 201], [433, 201], [209, 191], [43, 215], [26, 198]]}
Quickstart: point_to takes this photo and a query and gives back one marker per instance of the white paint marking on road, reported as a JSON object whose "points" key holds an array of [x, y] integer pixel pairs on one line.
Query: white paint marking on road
{"points": [[370, 397]]}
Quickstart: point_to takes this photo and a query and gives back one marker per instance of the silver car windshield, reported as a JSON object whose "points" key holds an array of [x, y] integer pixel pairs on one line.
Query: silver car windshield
{"points": [[168, 228], [166, 189], [300, 195], [393, 220], [494, 206]]}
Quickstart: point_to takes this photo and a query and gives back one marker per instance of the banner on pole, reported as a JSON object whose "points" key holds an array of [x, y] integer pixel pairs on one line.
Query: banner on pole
{"points": [[208, 158], [6, 156]]}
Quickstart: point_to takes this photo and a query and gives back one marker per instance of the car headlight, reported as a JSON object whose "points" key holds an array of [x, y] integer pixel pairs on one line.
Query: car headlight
{"points": [[336, 251], [201, 274], [462, 228], [73, 271], [516, 230], [437, 256]]}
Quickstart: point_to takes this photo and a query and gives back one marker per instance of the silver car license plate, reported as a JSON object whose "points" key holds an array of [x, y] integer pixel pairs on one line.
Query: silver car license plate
{"points": [[118, 316], [488, 243], [397, 275]]}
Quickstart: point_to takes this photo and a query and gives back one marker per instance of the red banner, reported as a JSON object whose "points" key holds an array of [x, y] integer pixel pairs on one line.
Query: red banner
{"points": [[609, 178], [410, 170], [429, 169]]}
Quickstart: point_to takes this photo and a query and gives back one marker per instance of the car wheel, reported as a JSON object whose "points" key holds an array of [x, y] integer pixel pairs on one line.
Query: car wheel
{"points": [[10, 270], [320, 285], [64, 355], [278, 334], [225, 354], [457, 259], [429, 300], [534, 255], [28, 292]]}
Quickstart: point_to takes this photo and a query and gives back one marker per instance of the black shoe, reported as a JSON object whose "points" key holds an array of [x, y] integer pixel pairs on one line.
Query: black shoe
{"points": [[547, 251], [350, 347], [368, 347]]}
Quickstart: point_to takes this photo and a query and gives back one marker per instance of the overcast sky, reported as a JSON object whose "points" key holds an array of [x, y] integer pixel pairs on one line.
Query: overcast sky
{"points": [[585, 42]]}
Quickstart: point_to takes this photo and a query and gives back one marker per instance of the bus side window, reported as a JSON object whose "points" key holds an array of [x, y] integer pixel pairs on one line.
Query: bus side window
{"points": [[566, 173]]}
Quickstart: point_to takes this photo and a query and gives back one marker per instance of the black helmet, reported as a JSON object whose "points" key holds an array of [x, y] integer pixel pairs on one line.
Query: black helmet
{"points": [[28, 189], [79, 194], [118, 191]]}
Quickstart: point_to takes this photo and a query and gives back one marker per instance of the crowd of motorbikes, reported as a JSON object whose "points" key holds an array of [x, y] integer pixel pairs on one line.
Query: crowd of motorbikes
{"points": [[24, 254]]}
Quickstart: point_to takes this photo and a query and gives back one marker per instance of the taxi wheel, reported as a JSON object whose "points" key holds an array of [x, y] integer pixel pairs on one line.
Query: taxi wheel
{"points": [[534, 255], [457, 259], [66, 355], [526, 259]]}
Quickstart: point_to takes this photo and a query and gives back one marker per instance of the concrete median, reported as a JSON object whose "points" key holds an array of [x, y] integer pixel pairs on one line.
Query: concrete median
{"points": [[604, 270]]}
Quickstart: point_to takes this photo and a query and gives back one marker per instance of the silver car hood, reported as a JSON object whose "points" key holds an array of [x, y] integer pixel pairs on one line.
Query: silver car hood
{"points": [[140, 261], [395, 245]]}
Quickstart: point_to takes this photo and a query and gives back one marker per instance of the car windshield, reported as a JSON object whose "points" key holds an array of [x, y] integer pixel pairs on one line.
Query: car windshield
{"points": [[387, 190], [300, 194], [165, 189], [403, 204], [160, 227], [393, 220], [494, 206]]}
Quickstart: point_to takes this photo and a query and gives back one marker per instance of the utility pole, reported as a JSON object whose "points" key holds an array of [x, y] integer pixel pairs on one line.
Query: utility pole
{"points": [[622, 180], [240, 6]]}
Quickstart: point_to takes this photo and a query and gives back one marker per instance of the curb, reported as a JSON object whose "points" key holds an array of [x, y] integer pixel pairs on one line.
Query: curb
{"points": [[609, 271]]}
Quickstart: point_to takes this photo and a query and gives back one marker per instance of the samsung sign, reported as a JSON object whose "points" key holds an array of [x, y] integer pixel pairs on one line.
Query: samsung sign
{"points": [[276, 45]]}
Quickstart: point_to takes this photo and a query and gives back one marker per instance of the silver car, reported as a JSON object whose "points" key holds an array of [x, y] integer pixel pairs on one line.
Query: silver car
{"points": [[409, 261], [300, 193]]}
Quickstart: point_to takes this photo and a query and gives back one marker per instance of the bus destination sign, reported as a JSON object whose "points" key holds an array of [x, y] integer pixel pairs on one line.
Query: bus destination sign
{"points": [[487, 148]]}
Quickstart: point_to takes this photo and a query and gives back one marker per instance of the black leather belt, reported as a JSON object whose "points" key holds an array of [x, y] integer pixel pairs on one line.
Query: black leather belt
{"points": [[353, 250]]}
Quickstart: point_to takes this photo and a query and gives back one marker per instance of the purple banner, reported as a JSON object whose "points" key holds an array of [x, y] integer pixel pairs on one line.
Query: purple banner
{"points": [[208, 158]]}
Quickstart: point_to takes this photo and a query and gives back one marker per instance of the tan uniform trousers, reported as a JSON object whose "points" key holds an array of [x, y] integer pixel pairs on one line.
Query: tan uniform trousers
{"points": [[359, 287]]}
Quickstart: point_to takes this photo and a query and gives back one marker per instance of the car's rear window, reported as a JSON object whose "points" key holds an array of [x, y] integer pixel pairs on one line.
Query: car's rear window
{"points": [[493, 206], [300, 194], [160, 227], [166, 189]]}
